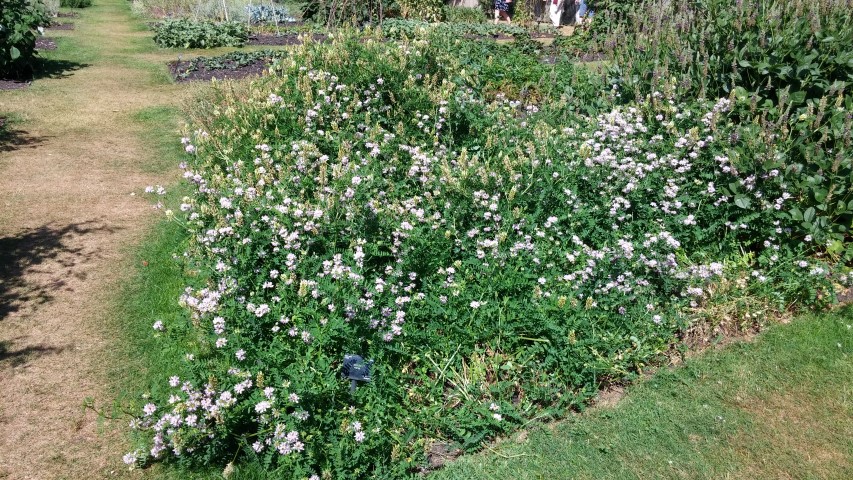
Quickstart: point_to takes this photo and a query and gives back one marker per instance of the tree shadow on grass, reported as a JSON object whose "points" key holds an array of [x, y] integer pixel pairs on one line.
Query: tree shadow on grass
{"points": [[15, 139], [10, 357], [53, 68], [40, 68], [38, 262]]}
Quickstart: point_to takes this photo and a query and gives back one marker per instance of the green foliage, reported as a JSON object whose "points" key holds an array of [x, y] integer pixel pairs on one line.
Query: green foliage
{"points": [[792, 60], [426, 10], [19, 20], [268, 14], [186, 33], [75, 3], [401, 28], [345, 13], [463, 15]]}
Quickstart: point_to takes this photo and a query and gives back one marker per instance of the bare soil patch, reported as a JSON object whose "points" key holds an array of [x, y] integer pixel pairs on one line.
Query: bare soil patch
{"points": [[186, 71], [43, 43], [13, 84], [60, 26], [285, 39]]}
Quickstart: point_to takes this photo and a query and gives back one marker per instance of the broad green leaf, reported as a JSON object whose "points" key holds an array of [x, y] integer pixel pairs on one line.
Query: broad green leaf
{"points": [[798, 97], [742, 201], [796, 214]]}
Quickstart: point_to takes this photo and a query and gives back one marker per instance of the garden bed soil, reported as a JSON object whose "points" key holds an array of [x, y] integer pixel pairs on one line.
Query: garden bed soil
{"points": [[60, 26], [204, 74], [13, 84], [43, 43], [67, 14], [281, 40]]}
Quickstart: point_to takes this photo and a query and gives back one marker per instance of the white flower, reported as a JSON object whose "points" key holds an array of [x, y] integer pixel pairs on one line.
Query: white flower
{"points": [[263, 406]]}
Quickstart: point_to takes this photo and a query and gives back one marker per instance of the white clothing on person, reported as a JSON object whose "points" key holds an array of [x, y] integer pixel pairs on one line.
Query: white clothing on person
{"points": [[556, 11]]}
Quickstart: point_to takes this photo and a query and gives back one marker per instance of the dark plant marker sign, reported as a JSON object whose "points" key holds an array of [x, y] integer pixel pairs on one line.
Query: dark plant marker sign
{"points": [[356, 369]]}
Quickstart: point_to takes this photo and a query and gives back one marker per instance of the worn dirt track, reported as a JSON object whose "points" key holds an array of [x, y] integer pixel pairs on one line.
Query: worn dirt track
{"points": [[68, 223]]}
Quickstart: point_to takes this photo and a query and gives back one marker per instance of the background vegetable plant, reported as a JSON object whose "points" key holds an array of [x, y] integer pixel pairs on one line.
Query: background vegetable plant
{"points": [[186, 33], [19, 21]]}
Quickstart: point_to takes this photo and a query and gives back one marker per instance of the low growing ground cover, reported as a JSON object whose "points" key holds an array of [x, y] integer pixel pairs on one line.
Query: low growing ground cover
{"points": [[496, 237]]}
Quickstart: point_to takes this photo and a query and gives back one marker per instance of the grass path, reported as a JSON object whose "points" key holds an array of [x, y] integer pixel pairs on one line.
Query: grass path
{"points": [[67, 224], [778, 408]]}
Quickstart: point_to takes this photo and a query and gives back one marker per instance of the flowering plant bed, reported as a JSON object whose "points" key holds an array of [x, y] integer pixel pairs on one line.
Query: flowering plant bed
{"points": [[490, 256]]}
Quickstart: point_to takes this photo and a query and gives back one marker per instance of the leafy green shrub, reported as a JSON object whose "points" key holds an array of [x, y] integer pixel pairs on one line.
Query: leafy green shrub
{"points": [[186, 33], [345, 13], [463, 15], [268, 14], [401, 28], [19, 20], [497, 252], [75, 3], [426, 10], [51, 7], [793, 59]]}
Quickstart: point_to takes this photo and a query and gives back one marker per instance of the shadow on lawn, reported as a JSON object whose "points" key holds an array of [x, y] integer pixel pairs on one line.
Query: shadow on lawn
{"points": [[12, 139], [16, 358], [52, 68], [38, 262], [40, 68]]}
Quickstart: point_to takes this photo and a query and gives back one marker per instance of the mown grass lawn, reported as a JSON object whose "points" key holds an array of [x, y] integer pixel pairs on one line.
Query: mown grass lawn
{"points": [[779, 407]]}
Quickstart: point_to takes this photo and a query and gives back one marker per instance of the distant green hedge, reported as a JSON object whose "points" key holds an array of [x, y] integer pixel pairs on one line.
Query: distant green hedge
{"points": [[75, 3]]}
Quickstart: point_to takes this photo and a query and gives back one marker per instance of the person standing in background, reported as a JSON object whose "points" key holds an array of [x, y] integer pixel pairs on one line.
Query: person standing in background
{"points": [[556, 11], [502, 10]]}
